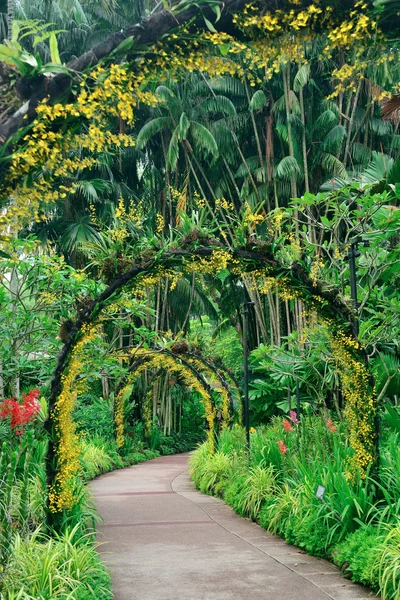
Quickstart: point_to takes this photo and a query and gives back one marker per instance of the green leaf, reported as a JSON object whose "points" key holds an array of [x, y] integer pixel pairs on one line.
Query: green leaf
{"points": [[54, 53], [173, 150], [204, 138], [326, 120], [54, 68], [334, 137], [183, 126], [15, 29], [333, 166], [216, 9], [209, 25], [124, 46], [302, 77], [258, 101], [326, 222], [150, 129], [224, 49]]}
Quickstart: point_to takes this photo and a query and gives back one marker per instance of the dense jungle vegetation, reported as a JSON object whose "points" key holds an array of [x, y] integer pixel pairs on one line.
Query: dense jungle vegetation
{"points": [[159, 183]]}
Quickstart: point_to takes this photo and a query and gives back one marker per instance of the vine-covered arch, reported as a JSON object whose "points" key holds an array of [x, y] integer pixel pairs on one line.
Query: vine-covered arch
{"points": [[336, 313], [189, 373]]}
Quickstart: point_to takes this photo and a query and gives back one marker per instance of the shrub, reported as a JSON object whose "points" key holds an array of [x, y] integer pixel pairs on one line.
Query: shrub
{"points": [[389, 564], [358, 555], [209, 469]]}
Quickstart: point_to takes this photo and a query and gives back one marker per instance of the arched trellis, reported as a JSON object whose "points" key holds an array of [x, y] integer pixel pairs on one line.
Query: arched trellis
{"points": [[180, 366], [62, 462]]}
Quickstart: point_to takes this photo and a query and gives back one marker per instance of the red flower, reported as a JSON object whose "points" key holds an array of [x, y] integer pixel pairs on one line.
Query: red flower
{"points": [[330, 425], [21, 414], [286, 425], [282, 447]]}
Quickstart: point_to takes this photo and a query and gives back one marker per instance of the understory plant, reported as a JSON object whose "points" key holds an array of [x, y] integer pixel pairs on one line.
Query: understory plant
{"points": [[62, 566], [355, 523]]}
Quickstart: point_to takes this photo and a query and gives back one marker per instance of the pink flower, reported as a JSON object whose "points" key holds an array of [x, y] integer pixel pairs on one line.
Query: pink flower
{"points": [[286, 425], [293, 417], [330, 425], [282, 447]]}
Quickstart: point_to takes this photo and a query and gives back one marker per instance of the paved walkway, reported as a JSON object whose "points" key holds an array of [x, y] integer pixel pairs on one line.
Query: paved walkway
{"points": [[166, 541]]}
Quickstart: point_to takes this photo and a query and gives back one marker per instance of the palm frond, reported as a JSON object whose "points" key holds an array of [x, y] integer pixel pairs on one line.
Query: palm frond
{"points": [[333, 166], [204, 138], [258, 101], [334, 137], [287, 168], [151, 128]]}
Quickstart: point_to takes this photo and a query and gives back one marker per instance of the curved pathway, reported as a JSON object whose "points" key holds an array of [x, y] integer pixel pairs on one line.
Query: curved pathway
{"points": [[166, 541]]}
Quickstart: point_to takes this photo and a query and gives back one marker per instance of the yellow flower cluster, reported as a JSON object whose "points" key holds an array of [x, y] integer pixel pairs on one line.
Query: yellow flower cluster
{"points": [[119, 414], [214, 264], [223, 203], [316, 268], [250, 219], [259, 280], [218, 387], [160, 223]]}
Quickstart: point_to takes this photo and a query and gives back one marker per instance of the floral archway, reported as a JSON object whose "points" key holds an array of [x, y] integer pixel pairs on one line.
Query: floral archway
{"points": [[294, 280]]}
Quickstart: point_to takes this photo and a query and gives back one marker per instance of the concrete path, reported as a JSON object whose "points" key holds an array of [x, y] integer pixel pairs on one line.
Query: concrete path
{"points": [[166, 541]]}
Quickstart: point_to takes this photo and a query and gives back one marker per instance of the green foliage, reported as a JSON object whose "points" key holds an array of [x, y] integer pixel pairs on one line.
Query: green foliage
{"points": [[258, 486], [65, 565], [358, 555], [352, 525], [214, 468], [29, 65]]}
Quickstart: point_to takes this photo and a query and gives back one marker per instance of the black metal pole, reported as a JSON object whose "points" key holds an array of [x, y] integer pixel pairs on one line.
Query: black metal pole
{"points": [[298, 407], [353, 284], [246, 372]]}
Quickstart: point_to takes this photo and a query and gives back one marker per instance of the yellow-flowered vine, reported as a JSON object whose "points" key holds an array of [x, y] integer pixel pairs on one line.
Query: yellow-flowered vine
{"points": [[61, 493], [360, 402], [360, 399], [160, 360]]}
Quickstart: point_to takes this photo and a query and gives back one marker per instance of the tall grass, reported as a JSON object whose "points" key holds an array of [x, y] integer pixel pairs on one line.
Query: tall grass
{"points": [[62, 566]]}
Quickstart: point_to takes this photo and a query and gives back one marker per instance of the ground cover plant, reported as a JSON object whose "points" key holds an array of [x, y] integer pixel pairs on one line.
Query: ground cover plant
{"points": [[356, 524]]}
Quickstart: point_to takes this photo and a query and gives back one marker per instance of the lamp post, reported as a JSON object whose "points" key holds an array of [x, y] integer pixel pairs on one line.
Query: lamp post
{"points": [[298, 406], [353, 254], [246, 371]]}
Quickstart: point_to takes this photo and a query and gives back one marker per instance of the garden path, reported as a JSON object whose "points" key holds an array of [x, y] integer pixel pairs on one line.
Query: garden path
{"points": [[166, 541]]}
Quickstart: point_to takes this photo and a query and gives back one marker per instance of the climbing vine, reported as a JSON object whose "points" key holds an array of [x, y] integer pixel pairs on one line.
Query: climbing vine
{"points": [[361, 402], [61, 492], [145, 359]]}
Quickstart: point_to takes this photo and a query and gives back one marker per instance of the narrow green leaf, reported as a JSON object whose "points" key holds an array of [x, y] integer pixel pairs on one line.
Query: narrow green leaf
{"points": [[54, 53], [209, 25]]}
